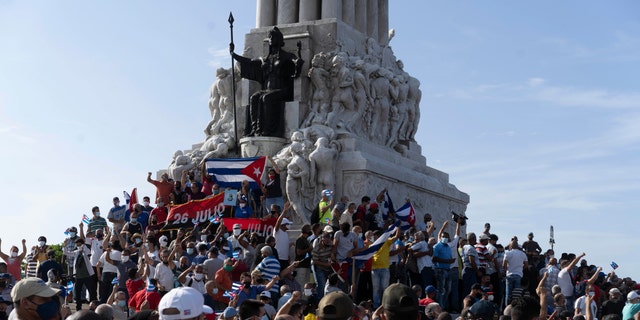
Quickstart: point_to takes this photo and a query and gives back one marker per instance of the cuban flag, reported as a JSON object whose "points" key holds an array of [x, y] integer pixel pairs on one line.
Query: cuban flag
{"points": [[66, 232], [235, 289], [132, 199], [229, 173], [373, 248], [150, 286], [67, 290], [85, 219], [215, 219], [407, 215], [614, 265]]}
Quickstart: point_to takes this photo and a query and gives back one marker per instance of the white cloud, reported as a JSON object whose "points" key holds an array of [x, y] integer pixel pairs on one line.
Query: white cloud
{"points": [[534, 82], [220, 58]]}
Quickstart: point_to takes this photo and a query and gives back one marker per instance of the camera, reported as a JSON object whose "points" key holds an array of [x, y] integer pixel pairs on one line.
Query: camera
{"points": [[459, 218]]}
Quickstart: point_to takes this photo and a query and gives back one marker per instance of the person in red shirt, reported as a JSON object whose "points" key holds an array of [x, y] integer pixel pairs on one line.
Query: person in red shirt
{"points": [[14, 259], [164, 187], [358, 217], [431, 295], [146, 299]]}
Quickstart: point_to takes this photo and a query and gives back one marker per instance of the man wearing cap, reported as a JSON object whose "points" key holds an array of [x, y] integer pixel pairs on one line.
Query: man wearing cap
{"points": [[183, 303], [335, 306], [324, 206], [34, 299], [398, 302], [632, 307], [69, 247], [321, 259], [614, 304], [431, 296], [282, 238], [265, 297]]}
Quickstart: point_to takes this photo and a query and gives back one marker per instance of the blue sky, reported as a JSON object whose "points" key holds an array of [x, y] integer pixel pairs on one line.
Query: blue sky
{"points": [[533, 108]]}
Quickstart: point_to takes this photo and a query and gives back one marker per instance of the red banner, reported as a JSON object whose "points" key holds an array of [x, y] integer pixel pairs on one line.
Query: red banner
{"points": [[194, 212], [262, 227]]}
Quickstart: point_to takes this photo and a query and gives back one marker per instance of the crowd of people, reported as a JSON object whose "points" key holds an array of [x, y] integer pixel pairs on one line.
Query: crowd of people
{"points": [[355, 261]]}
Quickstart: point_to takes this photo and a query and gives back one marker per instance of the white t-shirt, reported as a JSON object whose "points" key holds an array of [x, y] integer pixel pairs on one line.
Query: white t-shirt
{"points": [[453, 244], [165, 275], [515, 262], [96, 250], [564, 281], [108, 267], [345, 244], [580, 304], [282, 243], [424, 261]]}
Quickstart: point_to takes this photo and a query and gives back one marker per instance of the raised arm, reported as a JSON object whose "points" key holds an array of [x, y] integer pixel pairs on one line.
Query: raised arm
{"points": [[594, 277], [575, 261], [3, 255]]}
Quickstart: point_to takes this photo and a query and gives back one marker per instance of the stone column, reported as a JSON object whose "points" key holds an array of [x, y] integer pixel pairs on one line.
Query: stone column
{"points": [[372, 19], [265, 13], [331, 9], [361, 15], [349, 11], [309, 10], [383, 22], [287, 11]]}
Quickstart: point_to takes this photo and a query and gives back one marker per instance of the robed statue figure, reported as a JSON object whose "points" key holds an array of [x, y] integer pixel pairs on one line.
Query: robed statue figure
{"points": [[275, 72]]}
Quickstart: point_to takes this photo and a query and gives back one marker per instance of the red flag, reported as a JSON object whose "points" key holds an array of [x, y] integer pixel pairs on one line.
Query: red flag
{"points": [[133, 200], [254, 170]]}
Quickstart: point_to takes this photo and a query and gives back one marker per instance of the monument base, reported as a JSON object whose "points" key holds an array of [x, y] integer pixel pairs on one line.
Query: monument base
{"points": [[260, 146]]}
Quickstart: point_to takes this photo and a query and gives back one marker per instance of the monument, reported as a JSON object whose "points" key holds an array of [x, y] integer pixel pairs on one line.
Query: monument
{"points": [[340, 114]]}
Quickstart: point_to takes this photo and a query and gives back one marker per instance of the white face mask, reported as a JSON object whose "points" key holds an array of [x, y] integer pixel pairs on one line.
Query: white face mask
{"points": [[242, 204], [14, 254], [97, 214], [359, 235], [203, 238], [146, 203], [198, 276], [214, 291], [41, 243], [237, 232], [307, 292], [125, 258]]}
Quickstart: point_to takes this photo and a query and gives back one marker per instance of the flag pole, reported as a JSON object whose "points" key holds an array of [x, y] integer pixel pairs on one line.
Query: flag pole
{"points": [[233, 86]]}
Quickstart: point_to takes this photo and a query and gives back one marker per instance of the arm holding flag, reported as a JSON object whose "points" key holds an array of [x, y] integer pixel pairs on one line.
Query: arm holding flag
{"points": [[81, 225]]}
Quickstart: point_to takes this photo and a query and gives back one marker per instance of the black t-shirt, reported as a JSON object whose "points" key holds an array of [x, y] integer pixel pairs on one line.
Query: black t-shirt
{"points": [[303, 244], [273, 187]]}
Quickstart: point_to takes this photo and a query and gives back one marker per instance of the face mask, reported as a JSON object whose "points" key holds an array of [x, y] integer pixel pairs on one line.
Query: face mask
{"points": [[242, 204], [14, 254], [138, 240], [247, 284], [146, 203], [189, 250], [444, 240], [97, 214], [550, 257], [99, 236], [228, 268], [48, 309], [198, 276], [359, 235], [134, 220], [72, 234], [214, 291], [122, 303], [41, 243], [591, 293], [308, 292], [226, 235], [146, 245], [125, 258], [160, 204], [165, 262], [236, 232], [203, 238]]}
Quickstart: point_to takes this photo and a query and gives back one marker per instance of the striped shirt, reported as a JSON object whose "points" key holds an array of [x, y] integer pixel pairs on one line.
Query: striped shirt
{"points": [[32, 266], [269, 267], [97, 223]]}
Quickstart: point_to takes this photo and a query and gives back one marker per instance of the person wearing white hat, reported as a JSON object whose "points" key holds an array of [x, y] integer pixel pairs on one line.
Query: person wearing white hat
{"points": [[183, 303], [282, 237], [632, 307], [33, 299]]}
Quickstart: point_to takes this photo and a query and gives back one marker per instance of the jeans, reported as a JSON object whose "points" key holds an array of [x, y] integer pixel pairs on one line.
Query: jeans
{"points": [[469, 278], [321, 280], [106, 287], [454, 302], [513, 282], [380, 280], [428, 276], [443, 286]]}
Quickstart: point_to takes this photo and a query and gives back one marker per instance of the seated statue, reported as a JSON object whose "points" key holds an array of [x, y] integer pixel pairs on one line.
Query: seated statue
{"points": [[275, 72]]}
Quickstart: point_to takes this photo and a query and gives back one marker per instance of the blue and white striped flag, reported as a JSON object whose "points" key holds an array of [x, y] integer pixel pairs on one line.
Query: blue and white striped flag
{"points": [[235, 289], [229, 173], [85, 219], [407, 215], [150, 286], [369, 252]]}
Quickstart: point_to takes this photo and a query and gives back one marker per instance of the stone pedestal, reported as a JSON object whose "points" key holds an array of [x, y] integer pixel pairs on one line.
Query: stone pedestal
{"points": [[260, 146]]}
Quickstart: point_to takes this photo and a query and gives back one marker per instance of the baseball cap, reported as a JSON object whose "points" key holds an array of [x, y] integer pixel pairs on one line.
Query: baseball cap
{"points": [[430, 289], [164, 240], [399, 298], [32, 287], [286, 221], [327, 229], [265, 294], [182, 303], [335, 305], [484, 237], [615, 291], [632, 295], [327, 192], [373, 206], [237, 226], [229, 312]]}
